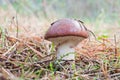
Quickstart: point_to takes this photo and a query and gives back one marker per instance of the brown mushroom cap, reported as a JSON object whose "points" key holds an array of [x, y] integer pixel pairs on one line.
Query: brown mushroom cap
{"points": [[66, 27]]}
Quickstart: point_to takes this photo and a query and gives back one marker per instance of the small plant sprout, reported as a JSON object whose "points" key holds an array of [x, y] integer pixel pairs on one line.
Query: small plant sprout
{"points": [[66, 34]]}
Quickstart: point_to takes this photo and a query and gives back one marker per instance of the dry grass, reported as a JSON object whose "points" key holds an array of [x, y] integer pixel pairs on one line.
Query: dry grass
{"points": [[30, 58]]}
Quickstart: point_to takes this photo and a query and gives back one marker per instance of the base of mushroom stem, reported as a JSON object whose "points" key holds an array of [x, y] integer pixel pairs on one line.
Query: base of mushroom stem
{"points": [[66, 51]]}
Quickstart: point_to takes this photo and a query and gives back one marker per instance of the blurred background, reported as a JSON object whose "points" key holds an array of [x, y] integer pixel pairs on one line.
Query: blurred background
{"points": [[35, 16]]}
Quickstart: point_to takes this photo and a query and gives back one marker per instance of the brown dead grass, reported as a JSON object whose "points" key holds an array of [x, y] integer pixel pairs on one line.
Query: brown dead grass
{"points": [[25, 56]]}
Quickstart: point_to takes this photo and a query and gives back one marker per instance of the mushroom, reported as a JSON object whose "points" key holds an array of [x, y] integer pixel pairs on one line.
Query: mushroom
{"points": [[66, 34]]}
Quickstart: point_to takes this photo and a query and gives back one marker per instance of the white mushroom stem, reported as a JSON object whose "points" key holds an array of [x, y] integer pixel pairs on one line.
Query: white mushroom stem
{"points": [[66, 51], [65, 46]]}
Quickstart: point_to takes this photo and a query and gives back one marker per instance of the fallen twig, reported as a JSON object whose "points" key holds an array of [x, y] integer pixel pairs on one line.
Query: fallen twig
{"points": [[8, 51]]}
